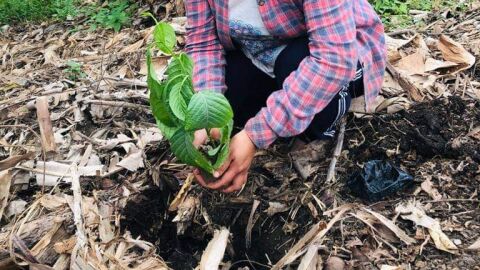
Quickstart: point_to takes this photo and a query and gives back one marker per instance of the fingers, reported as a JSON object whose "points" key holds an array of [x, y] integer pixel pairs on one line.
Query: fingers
{"points": [[226, 178], [200, 137], [215, 134], [237, 183], [199, 177], [219, 172]]}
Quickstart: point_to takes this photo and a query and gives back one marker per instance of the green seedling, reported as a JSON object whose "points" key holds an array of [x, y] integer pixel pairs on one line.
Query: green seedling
{"points": [[179, 111], [114, 15], [74, 71]]}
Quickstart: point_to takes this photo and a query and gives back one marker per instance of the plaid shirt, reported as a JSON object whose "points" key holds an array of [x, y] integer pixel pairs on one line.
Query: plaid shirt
{"points": [[341, 33]]}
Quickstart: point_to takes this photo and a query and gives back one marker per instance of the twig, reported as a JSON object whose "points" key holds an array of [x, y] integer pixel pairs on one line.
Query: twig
{"points": [[251, 222], [117, 104], [77, 214], [336, 153], [182, 193], [401, 32], [14, 160], [27, 254], [423, 244], [102, 71], [18, 227], [313, 236], [35, 170], [126, 82], [249, 261], [453, 200]]}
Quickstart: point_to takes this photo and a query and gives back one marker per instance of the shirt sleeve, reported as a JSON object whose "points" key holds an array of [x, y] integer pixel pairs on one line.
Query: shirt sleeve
{"points": [[308, 90], [204, 47]]}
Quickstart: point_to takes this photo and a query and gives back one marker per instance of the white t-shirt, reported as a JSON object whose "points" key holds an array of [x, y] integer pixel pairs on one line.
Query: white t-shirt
{"points": [[249, 32]]}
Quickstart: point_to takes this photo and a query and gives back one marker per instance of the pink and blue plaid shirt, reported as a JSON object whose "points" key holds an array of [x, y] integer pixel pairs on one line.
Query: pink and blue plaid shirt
{"points": [[341, 33]]}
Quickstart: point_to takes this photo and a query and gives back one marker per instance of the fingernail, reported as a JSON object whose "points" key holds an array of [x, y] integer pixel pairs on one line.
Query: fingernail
{"points": [[195, 171], [216, 174]]}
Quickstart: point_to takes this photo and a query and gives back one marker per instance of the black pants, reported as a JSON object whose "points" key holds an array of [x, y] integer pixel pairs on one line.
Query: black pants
{"points": [[249, 87]]}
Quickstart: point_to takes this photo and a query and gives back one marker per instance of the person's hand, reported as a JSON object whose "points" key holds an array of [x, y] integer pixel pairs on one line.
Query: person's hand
{"points": [[233, 173], [201, 136]]}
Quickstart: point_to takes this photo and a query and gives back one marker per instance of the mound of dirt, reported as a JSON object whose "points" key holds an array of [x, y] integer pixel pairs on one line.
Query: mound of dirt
{"points": [[437, 128]]}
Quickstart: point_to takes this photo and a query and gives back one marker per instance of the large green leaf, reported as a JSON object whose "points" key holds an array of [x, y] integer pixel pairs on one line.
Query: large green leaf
{"points": [[167, 131], [208, 109], [180, 64], [170, 83], [187, 90], [182, 146], [159, 109], [177, 101], [157, 88], [164, 36]]}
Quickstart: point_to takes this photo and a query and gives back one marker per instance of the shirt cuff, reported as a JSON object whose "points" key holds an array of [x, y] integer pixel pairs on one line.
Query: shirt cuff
{"points": [[260, 132]]}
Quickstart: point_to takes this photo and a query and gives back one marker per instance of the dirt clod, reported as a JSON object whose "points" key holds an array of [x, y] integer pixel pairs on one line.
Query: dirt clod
{"points": [[334, 263]]}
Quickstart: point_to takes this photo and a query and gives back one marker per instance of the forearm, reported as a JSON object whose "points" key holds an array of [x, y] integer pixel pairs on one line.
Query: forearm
{"points": [[308, 90]]}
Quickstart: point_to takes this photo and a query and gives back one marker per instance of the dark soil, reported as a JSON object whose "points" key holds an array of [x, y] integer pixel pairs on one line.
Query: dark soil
{"points": [[437, 128], [430, 140]]}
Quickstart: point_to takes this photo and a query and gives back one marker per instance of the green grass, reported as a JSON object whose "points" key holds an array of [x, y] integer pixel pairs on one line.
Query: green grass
{"points": [[18, 11], [395, 13], [111, 15]]}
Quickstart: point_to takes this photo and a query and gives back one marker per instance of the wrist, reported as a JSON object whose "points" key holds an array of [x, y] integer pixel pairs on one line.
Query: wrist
{"points": [[251, 142]]}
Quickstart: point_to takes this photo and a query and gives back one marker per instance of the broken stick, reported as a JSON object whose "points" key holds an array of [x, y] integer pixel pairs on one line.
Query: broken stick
{"points": [[336, 152], [412, 91], [213, 254], [45, 124], [313, 237]]}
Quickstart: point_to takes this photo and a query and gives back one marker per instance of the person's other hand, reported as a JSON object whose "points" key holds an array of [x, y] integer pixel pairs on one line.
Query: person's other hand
{"points": [[200, 136], [233, 173]]}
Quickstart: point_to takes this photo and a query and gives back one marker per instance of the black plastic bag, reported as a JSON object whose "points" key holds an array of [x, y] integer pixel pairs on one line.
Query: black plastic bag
{"points": [[377, 179]]}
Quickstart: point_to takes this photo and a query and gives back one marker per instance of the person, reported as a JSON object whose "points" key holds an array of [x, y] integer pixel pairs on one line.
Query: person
{"points": [[288, 68]]}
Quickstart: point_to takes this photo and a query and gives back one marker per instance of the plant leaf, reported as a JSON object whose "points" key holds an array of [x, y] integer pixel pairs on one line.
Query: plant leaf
{"points": [[164, 36], [169, 85], [222, 156], [226, 132], [214, 151], [225, 142], [180, 64], [187, 90], [182, 146], [167, 131], [208, 109], [176, 100], [159, 107]]}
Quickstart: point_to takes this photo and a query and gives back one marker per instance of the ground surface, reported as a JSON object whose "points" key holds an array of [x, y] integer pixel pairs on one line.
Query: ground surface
{"points": [[428, 141]]}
